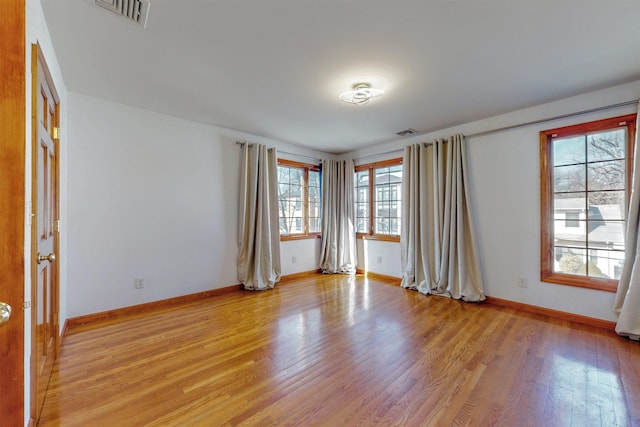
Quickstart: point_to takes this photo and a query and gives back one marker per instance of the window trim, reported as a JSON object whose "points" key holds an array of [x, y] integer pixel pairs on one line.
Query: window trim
{"points": [[305, 199], [546, 197], [370, 235]]}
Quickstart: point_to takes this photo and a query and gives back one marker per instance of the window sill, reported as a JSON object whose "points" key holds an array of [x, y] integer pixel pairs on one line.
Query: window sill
{"points": [[381, 237], [607, 285], [300, 237]]}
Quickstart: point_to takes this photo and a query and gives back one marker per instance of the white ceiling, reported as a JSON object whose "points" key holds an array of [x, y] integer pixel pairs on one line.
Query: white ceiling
{"points": [[275, 68]]}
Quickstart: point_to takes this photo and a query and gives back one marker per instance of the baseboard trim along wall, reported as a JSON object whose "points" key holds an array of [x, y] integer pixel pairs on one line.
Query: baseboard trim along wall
{"points": [[154, 305], [395, 280], [141, 308], [556, 314], [149, 306], [296, 276]]}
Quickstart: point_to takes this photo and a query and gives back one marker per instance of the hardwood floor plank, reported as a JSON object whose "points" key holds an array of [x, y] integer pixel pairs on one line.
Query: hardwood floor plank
{"points": [[340, 351]]}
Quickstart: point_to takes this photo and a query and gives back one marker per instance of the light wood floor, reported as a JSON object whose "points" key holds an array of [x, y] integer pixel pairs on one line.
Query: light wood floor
{"points": [[339, 351]]}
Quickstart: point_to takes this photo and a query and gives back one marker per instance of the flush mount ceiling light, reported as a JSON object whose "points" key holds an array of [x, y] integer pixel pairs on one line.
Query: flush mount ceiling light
{"points": [[361, 94]]}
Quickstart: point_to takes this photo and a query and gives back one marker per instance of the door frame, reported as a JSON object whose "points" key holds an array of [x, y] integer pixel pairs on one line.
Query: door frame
{"points": [[38, 63], [13, 144]]}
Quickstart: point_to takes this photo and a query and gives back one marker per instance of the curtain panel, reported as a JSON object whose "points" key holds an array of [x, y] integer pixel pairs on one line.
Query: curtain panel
{"points": [[627, 302], [437, 240], [338, 245], [258, 226]]}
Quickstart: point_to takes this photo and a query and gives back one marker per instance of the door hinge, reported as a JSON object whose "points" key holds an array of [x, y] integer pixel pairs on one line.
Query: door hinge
{"points": [[56, 226], [55, 319], [56, 132]]}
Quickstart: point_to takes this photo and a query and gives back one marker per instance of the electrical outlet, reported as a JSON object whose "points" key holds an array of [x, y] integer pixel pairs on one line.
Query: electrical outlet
{"points": [[380, 259], [138, 283], [523, 282], [293, 260]]}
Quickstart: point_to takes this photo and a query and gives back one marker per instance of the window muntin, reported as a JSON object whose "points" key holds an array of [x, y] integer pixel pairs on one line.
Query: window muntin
{"points": [[378, 206], [585, 181], [298, 199]]}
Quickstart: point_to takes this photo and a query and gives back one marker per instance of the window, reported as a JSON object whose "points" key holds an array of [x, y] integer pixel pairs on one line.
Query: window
{"points": [[585, 185], [378, 206], [298, 200]]}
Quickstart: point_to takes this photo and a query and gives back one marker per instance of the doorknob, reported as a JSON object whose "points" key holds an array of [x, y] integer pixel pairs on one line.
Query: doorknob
{"points": [[51, 257], [5, 313]]}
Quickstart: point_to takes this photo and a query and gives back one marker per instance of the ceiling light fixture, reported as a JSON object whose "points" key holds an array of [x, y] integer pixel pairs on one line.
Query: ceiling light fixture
{"points": [[361, 94]]}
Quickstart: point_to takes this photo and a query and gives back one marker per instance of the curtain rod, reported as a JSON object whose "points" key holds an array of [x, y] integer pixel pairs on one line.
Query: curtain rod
{"points": [[549, 119], [518, 125], [242, 143], [494, 130]]}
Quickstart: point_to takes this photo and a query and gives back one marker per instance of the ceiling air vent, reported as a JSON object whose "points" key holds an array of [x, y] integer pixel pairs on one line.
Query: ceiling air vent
{"points": [[406, 132], [135, 10]]}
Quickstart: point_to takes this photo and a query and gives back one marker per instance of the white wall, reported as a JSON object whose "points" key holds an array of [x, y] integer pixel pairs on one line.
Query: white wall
{"points": [[505, 198], [379, 256], [153, 197], [299, 256], [505, 189], [38, 32]]}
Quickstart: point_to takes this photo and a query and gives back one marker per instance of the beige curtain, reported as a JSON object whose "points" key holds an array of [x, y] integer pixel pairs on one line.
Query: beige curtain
{"points": [[258, 233], [338, 246], [437, 241], [627, 302]]}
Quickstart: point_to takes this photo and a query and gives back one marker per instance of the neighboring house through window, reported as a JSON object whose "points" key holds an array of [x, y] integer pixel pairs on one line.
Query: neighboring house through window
{"points": [[585, 183], [378, 199], [298, 200]]}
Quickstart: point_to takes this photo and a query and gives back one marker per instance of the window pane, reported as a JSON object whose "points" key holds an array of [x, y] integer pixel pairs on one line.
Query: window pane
{"points": [[314, 179], [569, 178], [314, 225], [362, 178], [382, 209], [607, 205], [362, 195], [607, 175], [362, 225], [394, 226], [570, 261], [568, 151], [606, 234], [283, 190], [297, 229], [574, 236], [296, 176], [314, 195], [362, 210], [569, 202], [381, 176], [572, 219], [607, 145], [381, 226], [605, 264], [395, 176], [283, 174]]}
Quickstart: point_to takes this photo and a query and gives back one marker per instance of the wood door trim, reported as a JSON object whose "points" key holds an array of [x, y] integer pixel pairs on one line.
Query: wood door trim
{"points": [[12, 205]]}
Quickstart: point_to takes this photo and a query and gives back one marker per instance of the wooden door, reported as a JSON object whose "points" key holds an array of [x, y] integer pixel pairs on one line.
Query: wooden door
{"points": [[45, 224], [12, 208]]}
